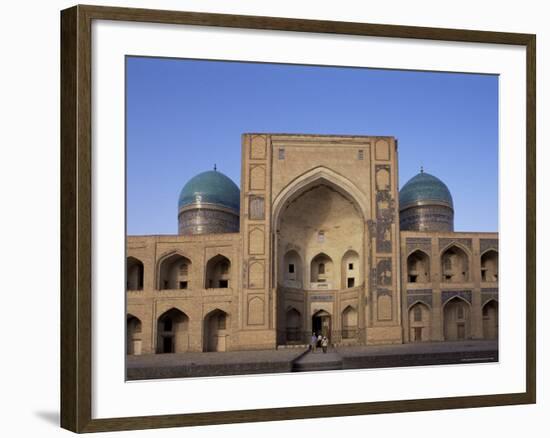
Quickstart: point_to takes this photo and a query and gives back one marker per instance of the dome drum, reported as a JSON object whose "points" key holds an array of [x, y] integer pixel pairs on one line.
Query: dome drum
{"points": [[208, 204], [425, 204]]}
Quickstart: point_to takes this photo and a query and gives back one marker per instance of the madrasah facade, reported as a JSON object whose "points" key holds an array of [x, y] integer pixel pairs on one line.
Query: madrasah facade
{"points": [[318, 239]]}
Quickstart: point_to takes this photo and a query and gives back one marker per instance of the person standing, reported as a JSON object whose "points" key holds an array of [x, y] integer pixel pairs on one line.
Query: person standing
{"points": [[319, 339], [324, 344], [313, 342]]}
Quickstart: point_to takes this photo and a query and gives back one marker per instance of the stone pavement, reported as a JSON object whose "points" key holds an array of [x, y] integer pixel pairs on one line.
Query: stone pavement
{"points": [[286, 360]]}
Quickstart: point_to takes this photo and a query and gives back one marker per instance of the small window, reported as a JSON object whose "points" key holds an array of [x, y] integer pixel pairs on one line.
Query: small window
{"points": [[281, 154], [165, 284], [460, 312], [321, 268], [360, 154], [351, 282], [183, 284], [183, 269], [223, 284], [321, 236], [350, 266], [291, 268], [413, 278]]}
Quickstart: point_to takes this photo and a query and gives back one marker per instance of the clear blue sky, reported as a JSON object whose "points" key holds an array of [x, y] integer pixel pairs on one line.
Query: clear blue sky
{"points": [[185, 115]]}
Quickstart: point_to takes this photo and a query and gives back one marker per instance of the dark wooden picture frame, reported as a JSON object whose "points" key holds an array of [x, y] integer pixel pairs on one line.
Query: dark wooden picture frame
{"points": [[76, 218]]}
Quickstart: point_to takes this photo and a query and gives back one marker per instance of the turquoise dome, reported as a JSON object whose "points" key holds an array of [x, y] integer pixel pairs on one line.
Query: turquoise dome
{"points": [[211, 187], [424, 189]]}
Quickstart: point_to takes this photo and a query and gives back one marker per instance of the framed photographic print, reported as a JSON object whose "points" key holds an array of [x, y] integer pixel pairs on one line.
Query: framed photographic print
{"points": [[269, 218]]}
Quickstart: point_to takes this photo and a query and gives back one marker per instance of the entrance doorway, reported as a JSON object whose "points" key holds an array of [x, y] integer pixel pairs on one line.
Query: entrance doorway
{"points": [[321, 323]]}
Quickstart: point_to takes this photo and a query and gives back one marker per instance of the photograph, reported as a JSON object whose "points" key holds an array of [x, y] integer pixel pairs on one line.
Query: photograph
{"points": [[286, 218]]}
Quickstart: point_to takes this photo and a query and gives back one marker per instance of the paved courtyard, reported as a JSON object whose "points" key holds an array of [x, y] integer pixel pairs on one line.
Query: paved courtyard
{"points": [[300, 359]]}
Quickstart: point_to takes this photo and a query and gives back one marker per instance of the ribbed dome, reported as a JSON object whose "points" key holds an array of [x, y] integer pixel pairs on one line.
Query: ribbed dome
{"points": [[424, 189], [211, 187]]}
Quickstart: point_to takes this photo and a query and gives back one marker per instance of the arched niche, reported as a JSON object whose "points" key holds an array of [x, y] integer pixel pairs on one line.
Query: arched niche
{"points": [[490, 319], [351, 270], [174, 272], [320, 211], [291, 273], [172, 332], [134, 274], [489, 266], [456, 320], [216, 331], [419, 323], [418, 267], [321, 271], [349, 323], [293, 325], [133, 335], [218, 272], [455, 266]]}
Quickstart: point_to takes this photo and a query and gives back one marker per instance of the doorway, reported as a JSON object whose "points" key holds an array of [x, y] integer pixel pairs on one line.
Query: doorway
{"points": [[321, 323]]}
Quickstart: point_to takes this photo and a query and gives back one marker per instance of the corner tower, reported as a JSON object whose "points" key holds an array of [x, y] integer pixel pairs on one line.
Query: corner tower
{"points": [[425, 204], [208, 204]]}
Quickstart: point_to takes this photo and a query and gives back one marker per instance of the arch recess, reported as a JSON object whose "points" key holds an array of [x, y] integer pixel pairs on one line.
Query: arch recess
{"points": [[173, 271], [316, 176], [455, 264]]}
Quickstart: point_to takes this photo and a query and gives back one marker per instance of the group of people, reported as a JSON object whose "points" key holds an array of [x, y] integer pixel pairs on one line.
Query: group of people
{"points": [[318, 341]]}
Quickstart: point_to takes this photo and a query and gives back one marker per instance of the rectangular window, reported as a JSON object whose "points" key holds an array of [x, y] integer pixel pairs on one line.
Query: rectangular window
{"points": [[221, 322], [350, 266], [460, 312], [183, 269], [351, 282], [223, 284], [321, 268], [165, 284], [281, 154], [360, 154], [183, 284], [413, 278], [291, 268], [321, 236], [417, 313]]}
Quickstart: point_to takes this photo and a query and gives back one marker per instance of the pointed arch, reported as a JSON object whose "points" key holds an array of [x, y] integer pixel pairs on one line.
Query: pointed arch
{"points": [[456, 319], [216, 330], [134, 273], [133, 334], [351, 269], [292, 270], [172, 331], [314, 177], [489, 266], [218, 272], [489, 313], [321, 269], [455, 264], [173, 271], [349, 322], [419, 322], [293, 325], [418, 267]]}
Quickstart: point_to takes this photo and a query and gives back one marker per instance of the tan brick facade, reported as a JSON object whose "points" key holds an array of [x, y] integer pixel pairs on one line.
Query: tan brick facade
{"points": [[319, 249]]}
